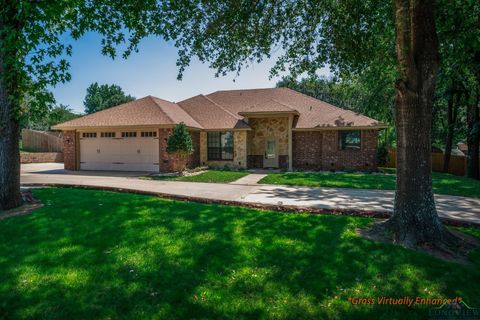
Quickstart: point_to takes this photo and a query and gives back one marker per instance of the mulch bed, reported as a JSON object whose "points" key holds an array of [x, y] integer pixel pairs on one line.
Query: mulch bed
{"points": [[29, 204]]}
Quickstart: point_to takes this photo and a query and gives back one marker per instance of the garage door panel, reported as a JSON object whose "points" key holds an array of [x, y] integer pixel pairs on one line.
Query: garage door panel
{"points": [[127, 154]]}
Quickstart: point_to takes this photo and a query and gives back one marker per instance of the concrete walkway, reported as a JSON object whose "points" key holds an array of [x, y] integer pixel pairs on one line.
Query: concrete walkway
{"points": [[452, 207], [251, 179]]}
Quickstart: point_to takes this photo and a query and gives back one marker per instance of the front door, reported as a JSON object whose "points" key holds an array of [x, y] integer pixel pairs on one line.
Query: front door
{"points": [[271, 155]]}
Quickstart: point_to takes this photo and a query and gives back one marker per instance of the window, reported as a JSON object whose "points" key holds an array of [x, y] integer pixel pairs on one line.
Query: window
{"points": [[350, 140], [130, 134], [107, 134], [89, 135], [220, 145], [146, 134]]}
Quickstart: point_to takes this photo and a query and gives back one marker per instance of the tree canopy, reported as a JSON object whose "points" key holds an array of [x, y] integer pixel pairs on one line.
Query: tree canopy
{"points": [[53, 115], [395, 41], [104, 96]]}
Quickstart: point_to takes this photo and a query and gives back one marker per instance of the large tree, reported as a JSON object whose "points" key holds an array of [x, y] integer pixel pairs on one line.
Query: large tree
{"points": [[104, 96], [33, 56], [344, 34], [230, 34]]}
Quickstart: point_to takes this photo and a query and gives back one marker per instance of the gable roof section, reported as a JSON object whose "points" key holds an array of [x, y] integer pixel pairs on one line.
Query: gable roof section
{"points": [[313, 113], [225, 110], [210, 115], [148, 111], [271, 106], [175, 113]]}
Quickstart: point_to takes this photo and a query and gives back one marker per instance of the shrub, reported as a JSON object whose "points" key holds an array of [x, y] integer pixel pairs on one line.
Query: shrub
{"points": [[180, 141]]}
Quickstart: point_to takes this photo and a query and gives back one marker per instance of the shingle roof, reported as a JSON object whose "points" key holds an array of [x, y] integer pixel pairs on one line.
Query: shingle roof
{"points": [[176, 113], [210, 115], [268, 106], [313, 113], [224, 110], [142, 112]]}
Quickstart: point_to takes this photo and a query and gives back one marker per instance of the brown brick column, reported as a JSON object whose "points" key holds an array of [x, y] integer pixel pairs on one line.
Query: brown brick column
{"points": [[172, 163], [70, 151]]}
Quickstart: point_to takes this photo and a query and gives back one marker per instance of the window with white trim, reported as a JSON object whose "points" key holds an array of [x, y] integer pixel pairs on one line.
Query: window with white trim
{"points": [[148, 134], [350, 140], [107, 134], [129, 134], [89, 134]]}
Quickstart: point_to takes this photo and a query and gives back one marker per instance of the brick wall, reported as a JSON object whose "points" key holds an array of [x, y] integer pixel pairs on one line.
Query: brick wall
{"points": [[335, 159], [319, 150], [174, 163], [41, 157], [283, 161], [69, 152], [307, 150], [254, 161]]}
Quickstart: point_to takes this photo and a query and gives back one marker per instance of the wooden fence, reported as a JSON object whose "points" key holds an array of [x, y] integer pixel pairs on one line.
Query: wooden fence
{"points": [[42, 141], [457, 166]]}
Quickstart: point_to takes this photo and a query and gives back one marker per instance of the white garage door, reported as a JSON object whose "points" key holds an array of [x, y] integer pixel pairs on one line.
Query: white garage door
{"points": [[135, 151]]}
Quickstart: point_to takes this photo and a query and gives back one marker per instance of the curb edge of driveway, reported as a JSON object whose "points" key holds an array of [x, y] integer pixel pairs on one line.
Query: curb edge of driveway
{"points": [[377, 214]]}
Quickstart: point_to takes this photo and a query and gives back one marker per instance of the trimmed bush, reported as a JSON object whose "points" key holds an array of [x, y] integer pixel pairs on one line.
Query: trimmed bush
{"points": [[180, 141]]}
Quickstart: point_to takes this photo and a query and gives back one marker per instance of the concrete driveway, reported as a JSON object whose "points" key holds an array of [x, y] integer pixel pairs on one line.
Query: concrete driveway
{"points": [[452, 207]]}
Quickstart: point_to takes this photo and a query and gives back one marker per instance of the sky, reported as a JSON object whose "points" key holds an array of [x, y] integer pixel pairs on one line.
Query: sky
{"points": [[151, 71]]}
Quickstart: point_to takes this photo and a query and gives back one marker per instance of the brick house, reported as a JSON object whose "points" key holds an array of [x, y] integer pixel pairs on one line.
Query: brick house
{"points": [[259, 128]]}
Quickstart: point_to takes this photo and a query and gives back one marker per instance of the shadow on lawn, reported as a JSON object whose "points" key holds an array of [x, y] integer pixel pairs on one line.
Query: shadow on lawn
{"points": [[327, 197], [92, 254]]}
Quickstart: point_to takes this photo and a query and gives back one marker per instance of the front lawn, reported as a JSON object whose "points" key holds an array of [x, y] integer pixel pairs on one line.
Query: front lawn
{"points": [[215, 176], [102, 255], [442, 183]]}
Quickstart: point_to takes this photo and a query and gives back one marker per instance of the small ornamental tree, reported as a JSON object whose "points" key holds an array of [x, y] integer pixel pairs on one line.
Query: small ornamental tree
{"points": [[179, 143]]}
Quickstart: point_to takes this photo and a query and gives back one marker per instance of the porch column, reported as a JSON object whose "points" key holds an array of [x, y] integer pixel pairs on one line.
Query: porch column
{"points": [[290, 157]]}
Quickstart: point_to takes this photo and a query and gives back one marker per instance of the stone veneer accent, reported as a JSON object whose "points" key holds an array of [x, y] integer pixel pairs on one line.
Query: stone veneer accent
{"points": [[239, 151], [70, 150], [173, 163], [263, 128]]}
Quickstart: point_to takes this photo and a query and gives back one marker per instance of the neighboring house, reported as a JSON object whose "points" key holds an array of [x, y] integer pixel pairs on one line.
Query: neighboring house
{"points": [[457, 152], [259, 128], [463, 147]]}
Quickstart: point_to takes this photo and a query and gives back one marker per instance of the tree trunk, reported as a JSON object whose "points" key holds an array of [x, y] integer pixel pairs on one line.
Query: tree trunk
{"points": [[10, 196], [451, 120], [473, 139], [415, 221]]}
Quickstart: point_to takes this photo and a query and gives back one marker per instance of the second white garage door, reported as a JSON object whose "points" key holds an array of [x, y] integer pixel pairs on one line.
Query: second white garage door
{"points": [[132, 153]]}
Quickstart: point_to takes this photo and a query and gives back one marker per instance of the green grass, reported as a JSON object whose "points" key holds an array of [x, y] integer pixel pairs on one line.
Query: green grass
{"points": [[91, 254], [442, 183], [215, 176]]}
